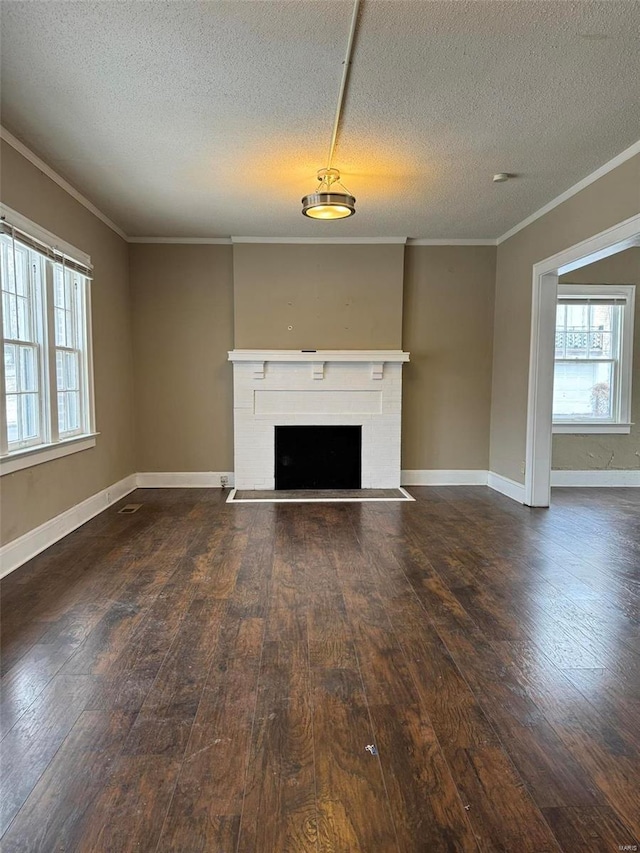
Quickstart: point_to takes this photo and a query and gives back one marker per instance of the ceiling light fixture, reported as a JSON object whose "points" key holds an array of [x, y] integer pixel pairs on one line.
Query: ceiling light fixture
{"points": [[330, 199]]}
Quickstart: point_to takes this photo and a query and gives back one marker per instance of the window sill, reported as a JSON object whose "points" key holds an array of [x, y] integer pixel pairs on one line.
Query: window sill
{"points": [[591, 429], [20, 459]]}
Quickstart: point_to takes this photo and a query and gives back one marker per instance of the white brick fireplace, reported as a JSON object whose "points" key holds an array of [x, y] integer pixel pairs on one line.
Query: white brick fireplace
{"points": [[324, 388]]}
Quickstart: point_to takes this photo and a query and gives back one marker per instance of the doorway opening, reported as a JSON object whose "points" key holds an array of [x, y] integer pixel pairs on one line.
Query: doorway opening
{"points": [[546, 273]]}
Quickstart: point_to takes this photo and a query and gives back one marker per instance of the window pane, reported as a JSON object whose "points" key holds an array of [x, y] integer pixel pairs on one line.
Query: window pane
{"points": [[62, 412], [583, 390], [68, 411], [10, 372], [578, 317], [561, 338], [577, 344], [602, 316], [9, 316], [71, 370], [59, 371], [12, 418], [24, 324], [29, 416], [73, 411], [8, 277], [58, 288], [61, 328], [68, 291], [28, 369], [22, 275], [600, 345], [69, 329]]}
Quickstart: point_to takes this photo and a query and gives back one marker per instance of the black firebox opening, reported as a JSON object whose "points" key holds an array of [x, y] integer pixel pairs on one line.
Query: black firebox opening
{"points": [[318, 457]]}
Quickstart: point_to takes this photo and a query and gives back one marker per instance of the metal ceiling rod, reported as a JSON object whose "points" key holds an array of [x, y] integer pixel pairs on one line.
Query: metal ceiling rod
{"points": [[345, 78]]}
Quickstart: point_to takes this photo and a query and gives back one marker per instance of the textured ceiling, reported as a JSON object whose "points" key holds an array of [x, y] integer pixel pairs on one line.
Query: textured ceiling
{"points": [[207, 119]]}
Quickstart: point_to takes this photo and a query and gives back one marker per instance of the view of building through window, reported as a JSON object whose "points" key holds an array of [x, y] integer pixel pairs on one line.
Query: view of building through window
{"points": [[587, 352], [593, 354]]}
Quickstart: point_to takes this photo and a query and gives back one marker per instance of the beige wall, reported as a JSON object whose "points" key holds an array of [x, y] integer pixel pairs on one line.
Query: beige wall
{"points": [[333, 296], [608, 201], [34, 495], [182, 330], [448, 329], [599, 452], [183, 315]]}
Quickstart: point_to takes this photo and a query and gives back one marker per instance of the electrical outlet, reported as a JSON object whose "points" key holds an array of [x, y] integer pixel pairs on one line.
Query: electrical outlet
{"points": [[224, 481], [522, 467]]}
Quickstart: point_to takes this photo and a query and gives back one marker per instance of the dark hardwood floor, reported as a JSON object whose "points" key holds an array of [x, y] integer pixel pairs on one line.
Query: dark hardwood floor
{"points": [[204, 676]]}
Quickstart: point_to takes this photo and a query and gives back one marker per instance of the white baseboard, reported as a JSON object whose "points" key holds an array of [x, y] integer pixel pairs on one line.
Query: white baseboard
{"points": [[17, 552], [507, 487], [599, 479], [457, 477], [183, 479]]}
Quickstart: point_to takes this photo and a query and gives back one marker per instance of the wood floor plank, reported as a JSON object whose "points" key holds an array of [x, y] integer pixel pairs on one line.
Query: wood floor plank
{"points": [[104, 644], [609, 763], [552, 773], [17, 639], [181, 678], [26, 680], [35, 739], [353, 807], [426, 806], [207, 803], [450, 703], [385, 674], [503, 815], [63, 801], [129, 812], [596, 829], [279, 809], [69, 586], [125, 683]]}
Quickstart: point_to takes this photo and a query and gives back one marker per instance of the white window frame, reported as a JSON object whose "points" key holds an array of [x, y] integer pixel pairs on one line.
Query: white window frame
{"points": [[53, 445], [621, 424]]}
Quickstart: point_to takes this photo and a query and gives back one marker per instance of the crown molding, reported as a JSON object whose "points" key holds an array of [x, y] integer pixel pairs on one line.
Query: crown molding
{"points": [[225, 241], [481, 241], [323, 240], [28, 154], [214, 241], [621, 158]]}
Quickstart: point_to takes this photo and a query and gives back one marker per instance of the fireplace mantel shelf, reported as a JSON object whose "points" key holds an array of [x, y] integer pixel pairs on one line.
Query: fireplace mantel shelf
{"points": [[376, 356]]}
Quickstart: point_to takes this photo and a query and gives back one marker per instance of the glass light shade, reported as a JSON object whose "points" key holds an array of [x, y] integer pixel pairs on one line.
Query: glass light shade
{"points": [[330, 200]]}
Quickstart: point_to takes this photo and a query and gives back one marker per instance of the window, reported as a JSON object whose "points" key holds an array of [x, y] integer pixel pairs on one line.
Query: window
{"points": [[593, 358], [68, 290], [46, 371]]}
